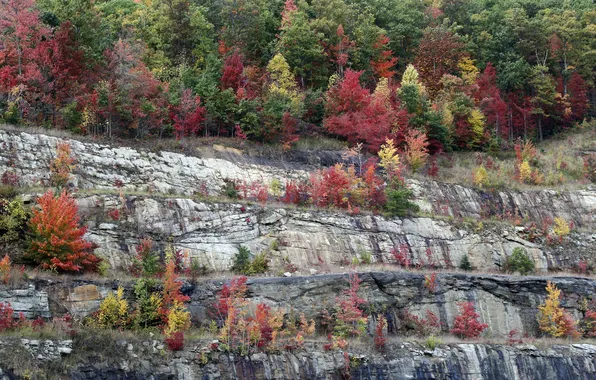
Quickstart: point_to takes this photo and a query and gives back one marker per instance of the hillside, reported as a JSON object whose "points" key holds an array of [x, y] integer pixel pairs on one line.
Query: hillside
{"points": [[410, 272]]}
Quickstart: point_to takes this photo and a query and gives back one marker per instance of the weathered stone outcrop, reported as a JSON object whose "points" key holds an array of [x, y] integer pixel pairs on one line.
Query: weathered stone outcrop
{"points": [[31, 302], [440, 198], [401, 361], [504, 302], [103, 167], [212, 233]]}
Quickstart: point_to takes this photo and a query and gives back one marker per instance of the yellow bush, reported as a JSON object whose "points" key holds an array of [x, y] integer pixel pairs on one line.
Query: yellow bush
{"points": [[480, 176], [178, 319], [552, 318], [525, 171], [113, 311], [561, 227]]}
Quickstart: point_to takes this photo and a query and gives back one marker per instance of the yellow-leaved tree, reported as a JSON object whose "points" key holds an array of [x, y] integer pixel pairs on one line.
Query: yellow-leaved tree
{"points": [[283, 84], [552, 318]]}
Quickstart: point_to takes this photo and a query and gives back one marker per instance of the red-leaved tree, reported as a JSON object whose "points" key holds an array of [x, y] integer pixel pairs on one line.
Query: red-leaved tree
{"points": [[384, 61], [56, 237], [233, 69], [188, 115], [354, 113], [466, 324]]}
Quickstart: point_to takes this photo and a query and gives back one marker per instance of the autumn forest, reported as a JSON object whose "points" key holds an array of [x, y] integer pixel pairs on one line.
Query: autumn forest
{"points": [[463, 74]]}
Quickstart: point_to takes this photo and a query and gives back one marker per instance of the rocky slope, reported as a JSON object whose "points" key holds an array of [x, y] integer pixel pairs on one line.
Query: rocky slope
{"points": [[506, 303], [212, 232], [160, 199], [147, 360]]}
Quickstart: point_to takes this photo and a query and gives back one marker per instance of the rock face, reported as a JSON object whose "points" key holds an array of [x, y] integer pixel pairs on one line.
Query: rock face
{"points": [[537, 205], [401, 361], [506, 303], [102, 166], [29, 301], [213, 232]]}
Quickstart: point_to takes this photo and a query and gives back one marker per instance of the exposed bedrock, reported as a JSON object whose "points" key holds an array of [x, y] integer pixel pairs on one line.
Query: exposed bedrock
{"points": [[505, 303], [213, 232], [147, 360]]}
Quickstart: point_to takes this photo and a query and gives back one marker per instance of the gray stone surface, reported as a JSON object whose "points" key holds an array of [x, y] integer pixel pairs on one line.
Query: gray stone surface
{"points": [[29, 301], [101, 166], [212, 233], [400, 361]]}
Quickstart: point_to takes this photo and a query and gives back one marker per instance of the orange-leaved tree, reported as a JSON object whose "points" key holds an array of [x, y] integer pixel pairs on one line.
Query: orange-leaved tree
{"points": [[552, 318], [57, 239], [62, 165]]}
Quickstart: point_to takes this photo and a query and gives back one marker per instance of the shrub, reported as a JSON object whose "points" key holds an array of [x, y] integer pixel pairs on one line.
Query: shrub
{"points": [[365, 257], [10, 178], [6, 316], [401, 255], [241, 260], [230, 189], [148, 304], [416, 152], [561, 227], [465, 264], [146, 263], [432, 342], [171, 293], [430, 324], [113, 311], [380, 338], [480, 177], [175, 342], [243, 264], [552, 318], [13, 220], [430, 282], [62, 165], [56, 238], [398, 199], [466, 324], [519, 261], [5, 269], [350, 319]]}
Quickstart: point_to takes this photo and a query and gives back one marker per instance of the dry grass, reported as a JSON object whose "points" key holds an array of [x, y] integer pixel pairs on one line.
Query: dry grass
{"points": [[559, 159]]}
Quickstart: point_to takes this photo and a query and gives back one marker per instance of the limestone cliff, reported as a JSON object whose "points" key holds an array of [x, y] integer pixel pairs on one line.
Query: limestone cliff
{"points": [[212, 232]]}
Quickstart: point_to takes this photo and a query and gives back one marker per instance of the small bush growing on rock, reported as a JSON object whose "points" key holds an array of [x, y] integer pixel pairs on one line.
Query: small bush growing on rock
{"points": [[10, 178], [398, 199], [465, 264], [146, 263], [519, 261], [466, 324], [243, 264], [350, 320], [554, 319], [561, 227], [148, 304], [175, 342], [380, 337], [62, 165], [6, 316], [430, 324], [113, 311], [5, 269], [56, 239], [432, 342], [13, 220]]}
